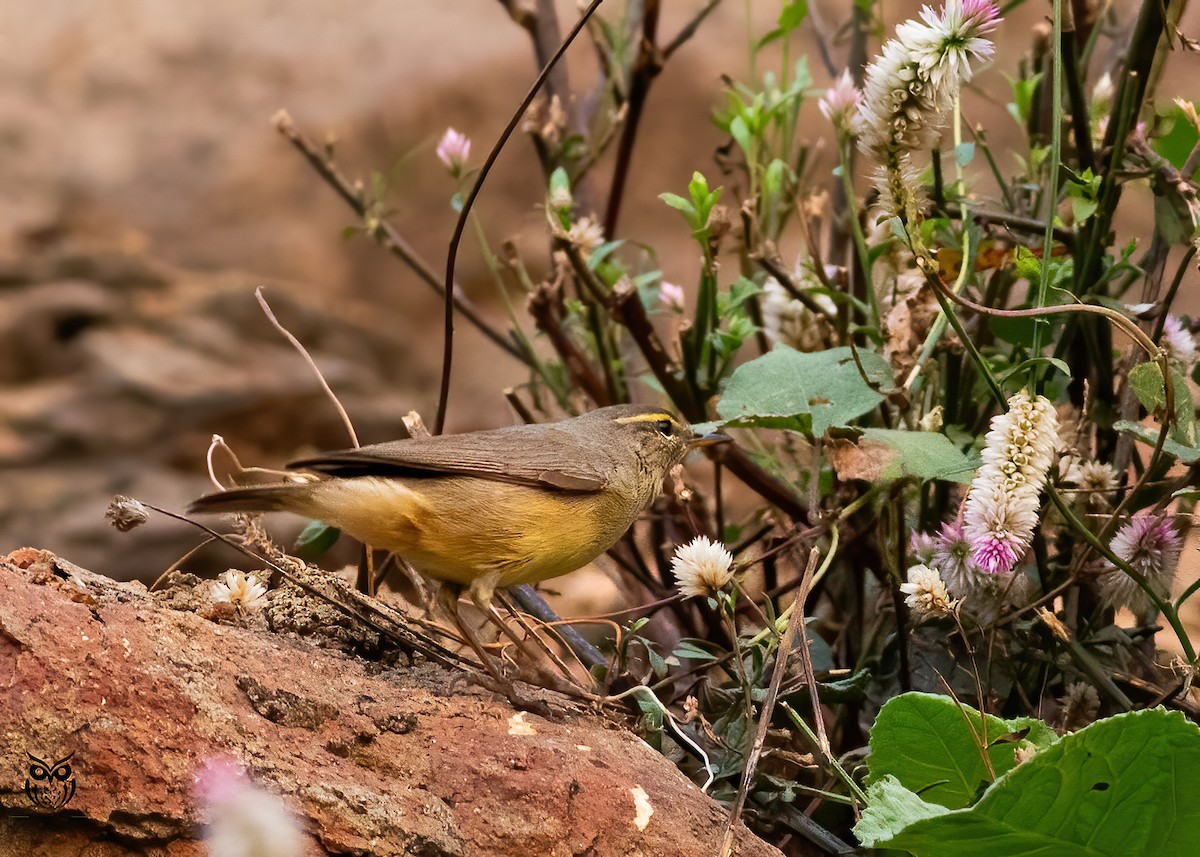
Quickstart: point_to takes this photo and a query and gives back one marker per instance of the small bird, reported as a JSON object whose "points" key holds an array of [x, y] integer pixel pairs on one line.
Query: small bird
{"points": [[487, 509]]}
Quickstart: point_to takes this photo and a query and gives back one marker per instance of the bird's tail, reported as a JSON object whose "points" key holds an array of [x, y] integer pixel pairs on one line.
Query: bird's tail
{"points": [[257, 498]]}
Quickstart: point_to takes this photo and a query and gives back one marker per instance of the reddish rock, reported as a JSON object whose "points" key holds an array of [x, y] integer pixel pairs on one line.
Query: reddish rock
{"points": [[374, 760]]}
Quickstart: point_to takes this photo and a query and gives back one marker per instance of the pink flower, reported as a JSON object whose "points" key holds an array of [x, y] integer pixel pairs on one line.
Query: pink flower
{"points": [[453, 150], [243, 819], [922, 546], [1152, 545], [1001, 512], [952, 557], [1179, 342], [671, 296], [911, 85], [839, 104]]}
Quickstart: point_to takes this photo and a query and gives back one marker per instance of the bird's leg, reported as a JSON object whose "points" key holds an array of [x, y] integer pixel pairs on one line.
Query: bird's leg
{"points": [[482, 591], [424, 598], [531, 633], [500, 683]]}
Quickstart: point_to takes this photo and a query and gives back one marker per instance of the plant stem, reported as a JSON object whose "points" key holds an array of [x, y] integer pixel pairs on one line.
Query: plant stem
{"points": [[1051, 196]]}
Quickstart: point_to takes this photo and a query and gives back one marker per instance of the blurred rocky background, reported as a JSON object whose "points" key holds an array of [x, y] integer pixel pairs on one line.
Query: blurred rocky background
{"points": [[146, 195]]}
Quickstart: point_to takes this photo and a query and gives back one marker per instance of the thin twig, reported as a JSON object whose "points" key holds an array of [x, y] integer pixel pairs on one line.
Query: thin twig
{"points": [[646, 66], [384, 233], [312, 364], [469, 202], [406, 639]]}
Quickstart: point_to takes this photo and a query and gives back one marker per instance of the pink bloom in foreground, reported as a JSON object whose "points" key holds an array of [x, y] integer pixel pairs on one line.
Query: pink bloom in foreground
{"points": [[1001, 511], [453, 150], [243, 820]]}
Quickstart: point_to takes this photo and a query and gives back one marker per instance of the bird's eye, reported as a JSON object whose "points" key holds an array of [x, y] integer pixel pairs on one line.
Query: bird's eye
{"points": [[665, 427]]}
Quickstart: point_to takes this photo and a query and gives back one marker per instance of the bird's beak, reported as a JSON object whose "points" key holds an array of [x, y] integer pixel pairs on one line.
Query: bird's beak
{"points": [[712, 438]]}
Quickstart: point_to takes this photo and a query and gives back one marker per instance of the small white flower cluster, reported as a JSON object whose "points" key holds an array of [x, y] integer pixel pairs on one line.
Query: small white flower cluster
{"points": [[926, 594], [914, 80], [244, 592], [788, 321], [1001, 511], [702, 567], [1096, 481], [586, 234]]}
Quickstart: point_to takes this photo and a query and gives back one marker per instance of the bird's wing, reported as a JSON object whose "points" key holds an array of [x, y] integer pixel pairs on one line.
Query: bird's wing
{"points": [[551, 458]]}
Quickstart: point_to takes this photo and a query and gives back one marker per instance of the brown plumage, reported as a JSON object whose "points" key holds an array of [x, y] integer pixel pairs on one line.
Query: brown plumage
{"points": [[490, 508]]}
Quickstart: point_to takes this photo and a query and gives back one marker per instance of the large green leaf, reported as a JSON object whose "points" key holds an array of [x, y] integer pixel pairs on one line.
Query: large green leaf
{"points": [[809, 393], [932, 745], [884, 455], [1126, 786]]}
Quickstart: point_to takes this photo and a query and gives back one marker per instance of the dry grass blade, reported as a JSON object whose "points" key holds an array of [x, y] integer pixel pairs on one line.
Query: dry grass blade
{"points": [[795, 623]]}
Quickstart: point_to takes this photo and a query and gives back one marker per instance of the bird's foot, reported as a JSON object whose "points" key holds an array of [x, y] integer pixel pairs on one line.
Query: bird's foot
{"points": [[506, 688]]}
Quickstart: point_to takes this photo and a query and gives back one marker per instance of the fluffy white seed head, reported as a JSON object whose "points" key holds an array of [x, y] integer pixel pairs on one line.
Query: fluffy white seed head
{"points": [[926, 594], [702, 567]]}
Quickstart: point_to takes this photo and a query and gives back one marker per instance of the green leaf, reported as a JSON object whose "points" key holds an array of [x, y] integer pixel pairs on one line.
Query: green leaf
{"points": [[652, 715], [657, 664], [1123, 787], [1023, 91], [920, 454], [314, 540], [792, 15], [738, 293], [740, 132], [964, 153], [802, 78], [601, 253], [1179, 140], [768, 38], [931, 744], [560, 184], [1025, 366], [788, 389], [1029, 266], [890, 809], [1146, 381], [1082, 209], [692, 652], [680, 204], [1149, 435]]}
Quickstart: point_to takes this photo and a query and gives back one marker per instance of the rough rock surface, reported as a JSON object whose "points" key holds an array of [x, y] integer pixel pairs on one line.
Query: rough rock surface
{"points": [[374, 760]]}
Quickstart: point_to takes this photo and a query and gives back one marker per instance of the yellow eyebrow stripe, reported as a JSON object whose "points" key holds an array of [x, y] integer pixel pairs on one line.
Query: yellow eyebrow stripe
{"points": [[647, 418]]}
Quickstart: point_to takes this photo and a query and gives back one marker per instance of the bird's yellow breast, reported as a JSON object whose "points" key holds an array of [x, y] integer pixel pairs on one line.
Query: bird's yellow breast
{"points": [[460, 529]]}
